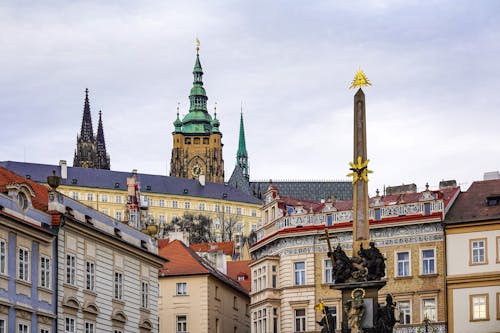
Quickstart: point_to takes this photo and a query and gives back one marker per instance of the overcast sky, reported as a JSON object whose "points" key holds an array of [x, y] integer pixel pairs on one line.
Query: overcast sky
{"points": [[433, 111]]}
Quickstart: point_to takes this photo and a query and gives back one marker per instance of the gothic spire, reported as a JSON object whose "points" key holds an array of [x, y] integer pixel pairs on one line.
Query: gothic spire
{"points": [[242, 155], [103, 161], [87, 132]]}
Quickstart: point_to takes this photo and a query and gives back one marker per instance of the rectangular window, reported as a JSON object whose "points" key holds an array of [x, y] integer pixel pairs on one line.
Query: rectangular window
{"points": [[75, 195], [3, 326], [90, 276], [181, 324], [162, 218], [90, 197], [429, 309], [254, 213], [89, 327], [300, 320], [42, 330], [187, 205], [104, 198], [24, 264], [182, 288], [118, 286], [22, 328], [70, 269], [428, 262], [403, 263], [118, 199], [404, 312], [175, 204], [479, 307], [202, 206], [45, 268], [299, 269], [144, 295], [478, 251], [162, 202], [118, 216], [69, 326], [327, 275], [238, 211], [228, 209], [3, 257]]}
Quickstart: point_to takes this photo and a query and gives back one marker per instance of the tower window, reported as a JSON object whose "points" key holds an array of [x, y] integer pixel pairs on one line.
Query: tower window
{"points": [[196, 141], [205, 141], [187, 141]]}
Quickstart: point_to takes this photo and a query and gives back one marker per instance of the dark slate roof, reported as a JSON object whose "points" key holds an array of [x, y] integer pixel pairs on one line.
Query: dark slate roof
{"points": [[239, 181], [117, 180], [472, 205], [308, 190]]}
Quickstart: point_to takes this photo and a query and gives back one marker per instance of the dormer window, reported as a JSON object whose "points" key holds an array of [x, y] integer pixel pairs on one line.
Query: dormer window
{"points": [[22, 200], [493, 200]]}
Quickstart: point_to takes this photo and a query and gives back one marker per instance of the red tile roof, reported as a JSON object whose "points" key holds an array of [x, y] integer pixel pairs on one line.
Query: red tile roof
{"points": [[226, 247], [162, 242], [184, 261], [41, 198], [241, 268], [472, 205]]}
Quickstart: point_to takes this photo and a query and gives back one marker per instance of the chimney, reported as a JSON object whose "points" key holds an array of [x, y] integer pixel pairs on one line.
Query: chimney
{"points": [[491, 175], [201, 179], [64, 169], [408, 188], [447, 183], [134, 172]]}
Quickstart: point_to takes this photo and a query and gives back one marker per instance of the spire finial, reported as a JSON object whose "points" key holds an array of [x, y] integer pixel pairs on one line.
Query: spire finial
{"points": [[360, 80], [178, 107], [215, 109], [241, 107], [100, 113], [197, 45]]}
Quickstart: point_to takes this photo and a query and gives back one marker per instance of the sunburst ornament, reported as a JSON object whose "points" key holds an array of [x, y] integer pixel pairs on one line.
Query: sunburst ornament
{"points": [[360, 80], [359, 170]]}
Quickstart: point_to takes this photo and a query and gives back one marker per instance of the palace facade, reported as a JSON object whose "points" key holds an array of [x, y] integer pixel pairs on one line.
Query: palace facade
{"points": [[292, 272]]}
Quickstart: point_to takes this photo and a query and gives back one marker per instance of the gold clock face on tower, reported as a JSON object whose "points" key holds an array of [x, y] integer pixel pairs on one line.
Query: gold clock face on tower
{"points": [[196, 170]]}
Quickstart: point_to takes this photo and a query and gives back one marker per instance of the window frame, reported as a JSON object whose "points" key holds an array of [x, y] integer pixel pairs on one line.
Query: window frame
{"points": [[68, 321], [118, 286], [302, 272], [23, 266], [326, 269], [422, 308], [180, 329], [181, 291], [471, 251], [396, 264], [23, 327], [89, 326], [300, 320], [5, 327], [45, 271], [487, 307], [4, 257], [409, 310], [90, 275], [70, 269], [144, 294], [434, 266]]}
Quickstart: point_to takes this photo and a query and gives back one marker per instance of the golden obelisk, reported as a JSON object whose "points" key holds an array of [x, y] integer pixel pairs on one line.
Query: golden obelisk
{"points": [[359, 168]]}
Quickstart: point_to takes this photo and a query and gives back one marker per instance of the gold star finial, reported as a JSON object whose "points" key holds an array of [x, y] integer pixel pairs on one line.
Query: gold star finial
{"points": [[360, 80], [359, 170], [197, 45]]}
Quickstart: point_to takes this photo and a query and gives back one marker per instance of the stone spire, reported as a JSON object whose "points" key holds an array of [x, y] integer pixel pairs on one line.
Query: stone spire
{"points": [[86, 133], [103, 160], [242, 155]]}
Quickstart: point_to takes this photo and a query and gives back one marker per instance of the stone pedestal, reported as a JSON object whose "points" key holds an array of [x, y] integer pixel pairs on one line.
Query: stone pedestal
{"points": [[370, 299]]}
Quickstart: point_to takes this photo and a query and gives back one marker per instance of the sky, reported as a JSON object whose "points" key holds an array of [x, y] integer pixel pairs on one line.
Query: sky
{"points": [[433, 111]]}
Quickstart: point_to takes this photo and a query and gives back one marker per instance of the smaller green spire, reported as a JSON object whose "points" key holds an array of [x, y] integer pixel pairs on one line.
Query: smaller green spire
{"points": [[242, 154], [215, 121], [178, 122]]}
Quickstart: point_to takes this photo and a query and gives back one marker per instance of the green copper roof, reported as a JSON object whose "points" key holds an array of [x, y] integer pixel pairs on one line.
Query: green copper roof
{"points": [[198, 120], [242, 147]]}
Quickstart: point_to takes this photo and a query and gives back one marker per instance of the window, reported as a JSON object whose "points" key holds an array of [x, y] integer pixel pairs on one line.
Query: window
{"points": [[300, 320], [235, 302], [104, 198], [187, 205], [22, 328], [70, 269], [429, 309], [3, 257], [90, 276], [181, 324], [118, 216], [228, 209], [69, 326], [254, 227], [45, 268], [299, 269], [161, 202], [403, 263], [3, 326], [75, 195], [202, 206], [216, 292], [479, 307], [274, 278], [175, 204], [89, 327], [404, 312], [238, 211], [254, 213], [24, 264], [118, 199], [117, 331], [42, 330], [150, 202], [162, 218], [144, 295], [327, 275], [428, 262], [478, 251], [118, 286], [181, 288], [90, 197], [217, 208]]}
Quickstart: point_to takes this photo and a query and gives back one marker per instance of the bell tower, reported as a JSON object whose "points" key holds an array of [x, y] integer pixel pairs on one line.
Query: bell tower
{"points": [[197, 145]]}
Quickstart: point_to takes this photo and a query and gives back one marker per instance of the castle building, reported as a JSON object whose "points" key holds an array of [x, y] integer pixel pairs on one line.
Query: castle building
{"points": [[292, 273], [91, 150], [473, 259], [197, 145]]}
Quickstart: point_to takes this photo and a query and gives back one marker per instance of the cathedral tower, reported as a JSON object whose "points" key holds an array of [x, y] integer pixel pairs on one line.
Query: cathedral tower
{"points": [[197, 146], [90, 151], [242, 155]]}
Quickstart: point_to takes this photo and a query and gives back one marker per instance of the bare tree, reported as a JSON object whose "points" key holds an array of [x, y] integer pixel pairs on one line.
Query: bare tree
{"points": [[199, 227]]}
